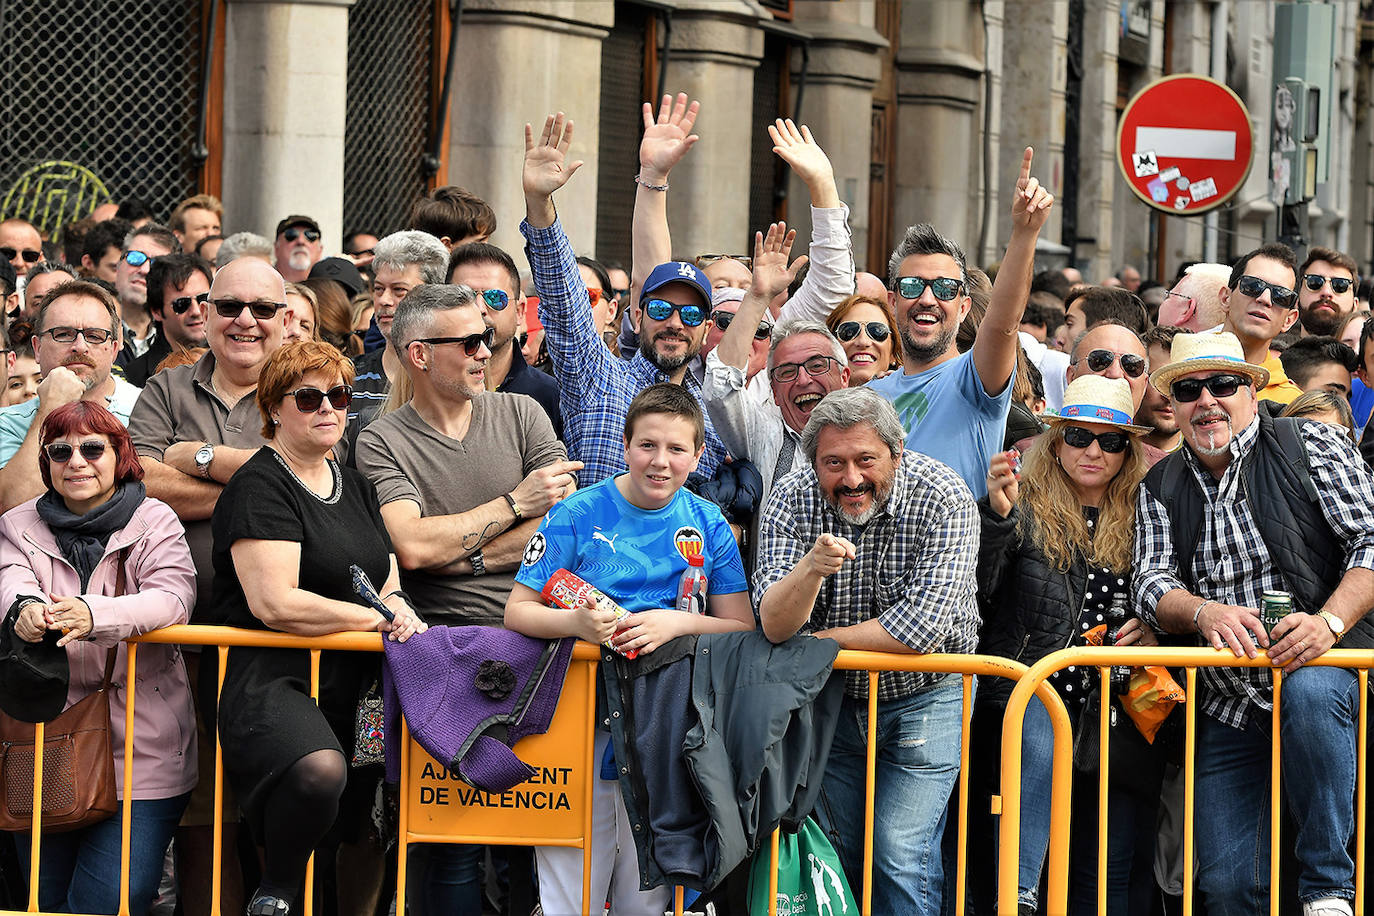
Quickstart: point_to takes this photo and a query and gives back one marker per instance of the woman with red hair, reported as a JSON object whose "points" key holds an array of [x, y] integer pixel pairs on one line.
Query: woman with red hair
{"points": [[62, 558]]}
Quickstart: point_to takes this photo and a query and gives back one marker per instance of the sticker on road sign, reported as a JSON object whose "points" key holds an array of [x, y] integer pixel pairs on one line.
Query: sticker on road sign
{"points": [[1182, 184], [1169, 174], [1158, 190], [1180, 203], [1201, 190], [1146, 163]]}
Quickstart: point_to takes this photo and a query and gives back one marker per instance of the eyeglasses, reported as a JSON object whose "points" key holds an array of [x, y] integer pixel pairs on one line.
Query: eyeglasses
{"points": [[705, 260], [181, 304], [1101, 361], [814, 366], [471, 343], [944, 288], [496, 299], [1339, 285], [61, 452], [1281, 296], [308, 400], [136, 258], [30, 255], [1110, 442], [662, 309], [295, 232], [1187, 390], [262, 309], [723, 318], [620, 293], [877, 331], [65, 335]]}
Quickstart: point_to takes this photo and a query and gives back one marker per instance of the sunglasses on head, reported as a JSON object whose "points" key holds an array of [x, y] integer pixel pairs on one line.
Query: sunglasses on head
{"points": [[295, 232], [182, 304], [723, 319], [496, 299], [308, 400], [877, 331], [471, 343], [1111, 441], [261, 309], [136, 258], [30, 255], [705, 260], [1339, 285], [662, 309], [1101, 361], [61, 452], [1254, 287], [943, 288], [1187, 390]]}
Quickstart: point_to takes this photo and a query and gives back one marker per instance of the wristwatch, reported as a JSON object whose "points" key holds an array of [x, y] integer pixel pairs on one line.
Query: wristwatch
{"points": [[479, 563], [204, 455], [1336, 624]]}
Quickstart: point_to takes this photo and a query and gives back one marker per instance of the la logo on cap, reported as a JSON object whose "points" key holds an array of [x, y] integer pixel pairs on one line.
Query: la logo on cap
{"points": [[685, 270]]}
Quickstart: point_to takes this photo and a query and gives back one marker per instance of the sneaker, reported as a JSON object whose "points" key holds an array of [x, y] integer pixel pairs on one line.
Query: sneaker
{"points": [[1327, 906], [267, 905]]}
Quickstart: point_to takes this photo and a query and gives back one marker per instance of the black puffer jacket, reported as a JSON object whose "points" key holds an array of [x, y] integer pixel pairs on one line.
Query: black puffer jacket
{"points": [[1029, 607]]}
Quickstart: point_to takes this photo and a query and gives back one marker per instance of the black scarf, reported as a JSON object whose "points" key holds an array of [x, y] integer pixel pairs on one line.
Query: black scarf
{"points": [[82, 538]]}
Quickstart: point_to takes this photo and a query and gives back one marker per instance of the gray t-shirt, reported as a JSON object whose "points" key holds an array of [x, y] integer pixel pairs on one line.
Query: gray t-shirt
{"points": [[406, 458]]}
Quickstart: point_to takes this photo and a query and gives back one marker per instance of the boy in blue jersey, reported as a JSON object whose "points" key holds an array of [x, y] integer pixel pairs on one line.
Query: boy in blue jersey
{"points": [[631, 536]]}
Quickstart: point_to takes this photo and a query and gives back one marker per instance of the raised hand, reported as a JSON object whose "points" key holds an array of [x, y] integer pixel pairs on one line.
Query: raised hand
{"points": [[1003, 483], [1030, 205], [667, 139], [546, 169], [772, 275], [800, 151]]}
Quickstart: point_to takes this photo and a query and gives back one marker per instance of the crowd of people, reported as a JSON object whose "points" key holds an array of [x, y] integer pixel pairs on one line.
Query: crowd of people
{"points": [[761, 453]]}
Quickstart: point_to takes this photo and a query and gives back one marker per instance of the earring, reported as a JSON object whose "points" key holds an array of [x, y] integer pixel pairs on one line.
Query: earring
{"points": [[424, 368], [276, 421]]}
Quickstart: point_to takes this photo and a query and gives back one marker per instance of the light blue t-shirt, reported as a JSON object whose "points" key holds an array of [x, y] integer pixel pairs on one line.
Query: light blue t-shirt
{"points": [[949, 416], [16, 419], [636, 556]]}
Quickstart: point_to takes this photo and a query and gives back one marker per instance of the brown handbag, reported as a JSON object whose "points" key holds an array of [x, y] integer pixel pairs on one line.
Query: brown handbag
{"points": [[78, 763]]}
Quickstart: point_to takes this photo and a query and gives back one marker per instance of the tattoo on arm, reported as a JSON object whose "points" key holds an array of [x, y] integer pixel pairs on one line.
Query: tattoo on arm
{"points": [[473, 540]]}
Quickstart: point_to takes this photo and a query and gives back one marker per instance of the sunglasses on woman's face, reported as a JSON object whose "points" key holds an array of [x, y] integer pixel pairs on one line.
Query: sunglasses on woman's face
{"points": [[308, 400], [1188, 390], [61, 452], [1111, 441], [877, 331]]}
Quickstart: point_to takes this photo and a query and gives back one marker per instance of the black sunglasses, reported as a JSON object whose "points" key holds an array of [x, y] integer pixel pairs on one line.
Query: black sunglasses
{"points": [[1254, 287], [182, 304], [723, 318], [295, 232], [262, 309], [30, 255], [308, 400], [944, 288], [662, 309], [877, 331], [1187, 390], [61, 452], [470, 343], [1101, 361], [1111, 441], [1315, 282]]}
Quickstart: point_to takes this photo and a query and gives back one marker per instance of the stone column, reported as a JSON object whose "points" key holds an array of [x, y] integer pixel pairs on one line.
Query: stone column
{"points": [[519, 61], [837, 105], [1099, 177], [286, 66]]}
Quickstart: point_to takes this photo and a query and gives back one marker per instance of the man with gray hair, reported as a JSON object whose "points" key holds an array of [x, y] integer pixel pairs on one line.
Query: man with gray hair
{"points": [[875, 547], [244, 245], [1194, 304]]}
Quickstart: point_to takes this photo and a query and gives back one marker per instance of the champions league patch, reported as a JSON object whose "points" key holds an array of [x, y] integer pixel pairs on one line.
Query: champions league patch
{"points": [[534, 550]]}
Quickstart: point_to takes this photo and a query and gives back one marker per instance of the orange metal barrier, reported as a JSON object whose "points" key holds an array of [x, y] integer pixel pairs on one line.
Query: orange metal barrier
{"points": [[1189, 659]]}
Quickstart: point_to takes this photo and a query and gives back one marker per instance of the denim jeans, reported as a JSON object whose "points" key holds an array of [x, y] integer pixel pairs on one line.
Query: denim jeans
{"points": [[449, 878], [1318, 734], [917, 763], [78, 872]]}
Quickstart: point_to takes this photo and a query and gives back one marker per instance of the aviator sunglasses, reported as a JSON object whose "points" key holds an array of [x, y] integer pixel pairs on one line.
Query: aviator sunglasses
{"points": [[61, 452], [1101, 361], [877, 330]]}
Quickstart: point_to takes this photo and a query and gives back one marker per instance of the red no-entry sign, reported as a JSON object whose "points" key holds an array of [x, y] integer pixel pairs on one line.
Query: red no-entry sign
{"points": [[1184, 144]]}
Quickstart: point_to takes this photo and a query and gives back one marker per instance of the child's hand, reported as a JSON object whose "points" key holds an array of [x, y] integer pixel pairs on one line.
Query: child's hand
{"points": [[593, 624], [646, 631]]}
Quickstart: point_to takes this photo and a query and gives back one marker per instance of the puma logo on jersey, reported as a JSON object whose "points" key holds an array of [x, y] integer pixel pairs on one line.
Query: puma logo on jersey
{"points": [[597, 535]]}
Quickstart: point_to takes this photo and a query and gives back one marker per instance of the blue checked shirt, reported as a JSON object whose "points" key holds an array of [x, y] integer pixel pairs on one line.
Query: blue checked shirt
{"points": [[595, 387], [1232, 564], [913, 568]]}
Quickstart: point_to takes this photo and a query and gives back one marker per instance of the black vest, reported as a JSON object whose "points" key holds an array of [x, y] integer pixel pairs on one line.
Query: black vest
{"points": [[1277, 485]]}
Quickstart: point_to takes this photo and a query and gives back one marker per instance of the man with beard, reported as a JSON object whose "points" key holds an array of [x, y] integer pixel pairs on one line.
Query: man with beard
{"points": [[1326, 291], [76, 336], [595, 387], [1154, 409], [954, 406], [297, 247], [876, 547], [1254, 505]]}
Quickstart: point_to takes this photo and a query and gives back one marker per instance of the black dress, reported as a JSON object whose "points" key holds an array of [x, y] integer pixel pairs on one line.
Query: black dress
{"points": [[267, 719]]}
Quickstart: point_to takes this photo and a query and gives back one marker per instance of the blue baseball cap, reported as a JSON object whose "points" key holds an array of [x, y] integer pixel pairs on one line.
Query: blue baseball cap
{"points": [[677, 272]]}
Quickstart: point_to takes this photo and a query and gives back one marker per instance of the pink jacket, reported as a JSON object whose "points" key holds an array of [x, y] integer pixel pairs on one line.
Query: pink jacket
{"points": [[160, 590]]}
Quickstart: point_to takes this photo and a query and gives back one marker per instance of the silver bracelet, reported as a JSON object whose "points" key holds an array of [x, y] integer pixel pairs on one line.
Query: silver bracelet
{"points": [[652, 187], [1198, 613]]}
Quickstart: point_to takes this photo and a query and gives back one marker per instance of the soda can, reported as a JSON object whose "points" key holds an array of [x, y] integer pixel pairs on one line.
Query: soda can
{"points": [[1274, 606], [568, 590]]}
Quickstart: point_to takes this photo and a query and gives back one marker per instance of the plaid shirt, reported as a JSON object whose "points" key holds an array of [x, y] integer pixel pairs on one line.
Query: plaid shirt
{"points": [[595, 387], [1232, 564], [913, 570]]}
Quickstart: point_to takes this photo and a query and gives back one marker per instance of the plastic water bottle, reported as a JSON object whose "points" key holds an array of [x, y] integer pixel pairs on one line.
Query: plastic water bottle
{"points": [[691, 588]]}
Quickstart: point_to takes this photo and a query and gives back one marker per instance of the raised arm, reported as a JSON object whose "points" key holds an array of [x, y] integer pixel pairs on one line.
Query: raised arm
{"points": [[772, 275], [831, 278], [666, 140], [994, 349]]}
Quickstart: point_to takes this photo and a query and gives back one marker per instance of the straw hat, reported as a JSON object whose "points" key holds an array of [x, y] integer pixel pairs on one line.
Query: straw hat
{"points": [[1198, 352], [1098, 399]]}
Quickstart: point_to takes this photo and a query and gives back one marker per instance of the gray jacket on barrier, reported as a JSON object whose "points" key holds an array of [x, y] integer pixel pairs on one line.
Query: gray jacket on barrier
{"points": [[718, 740]]}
